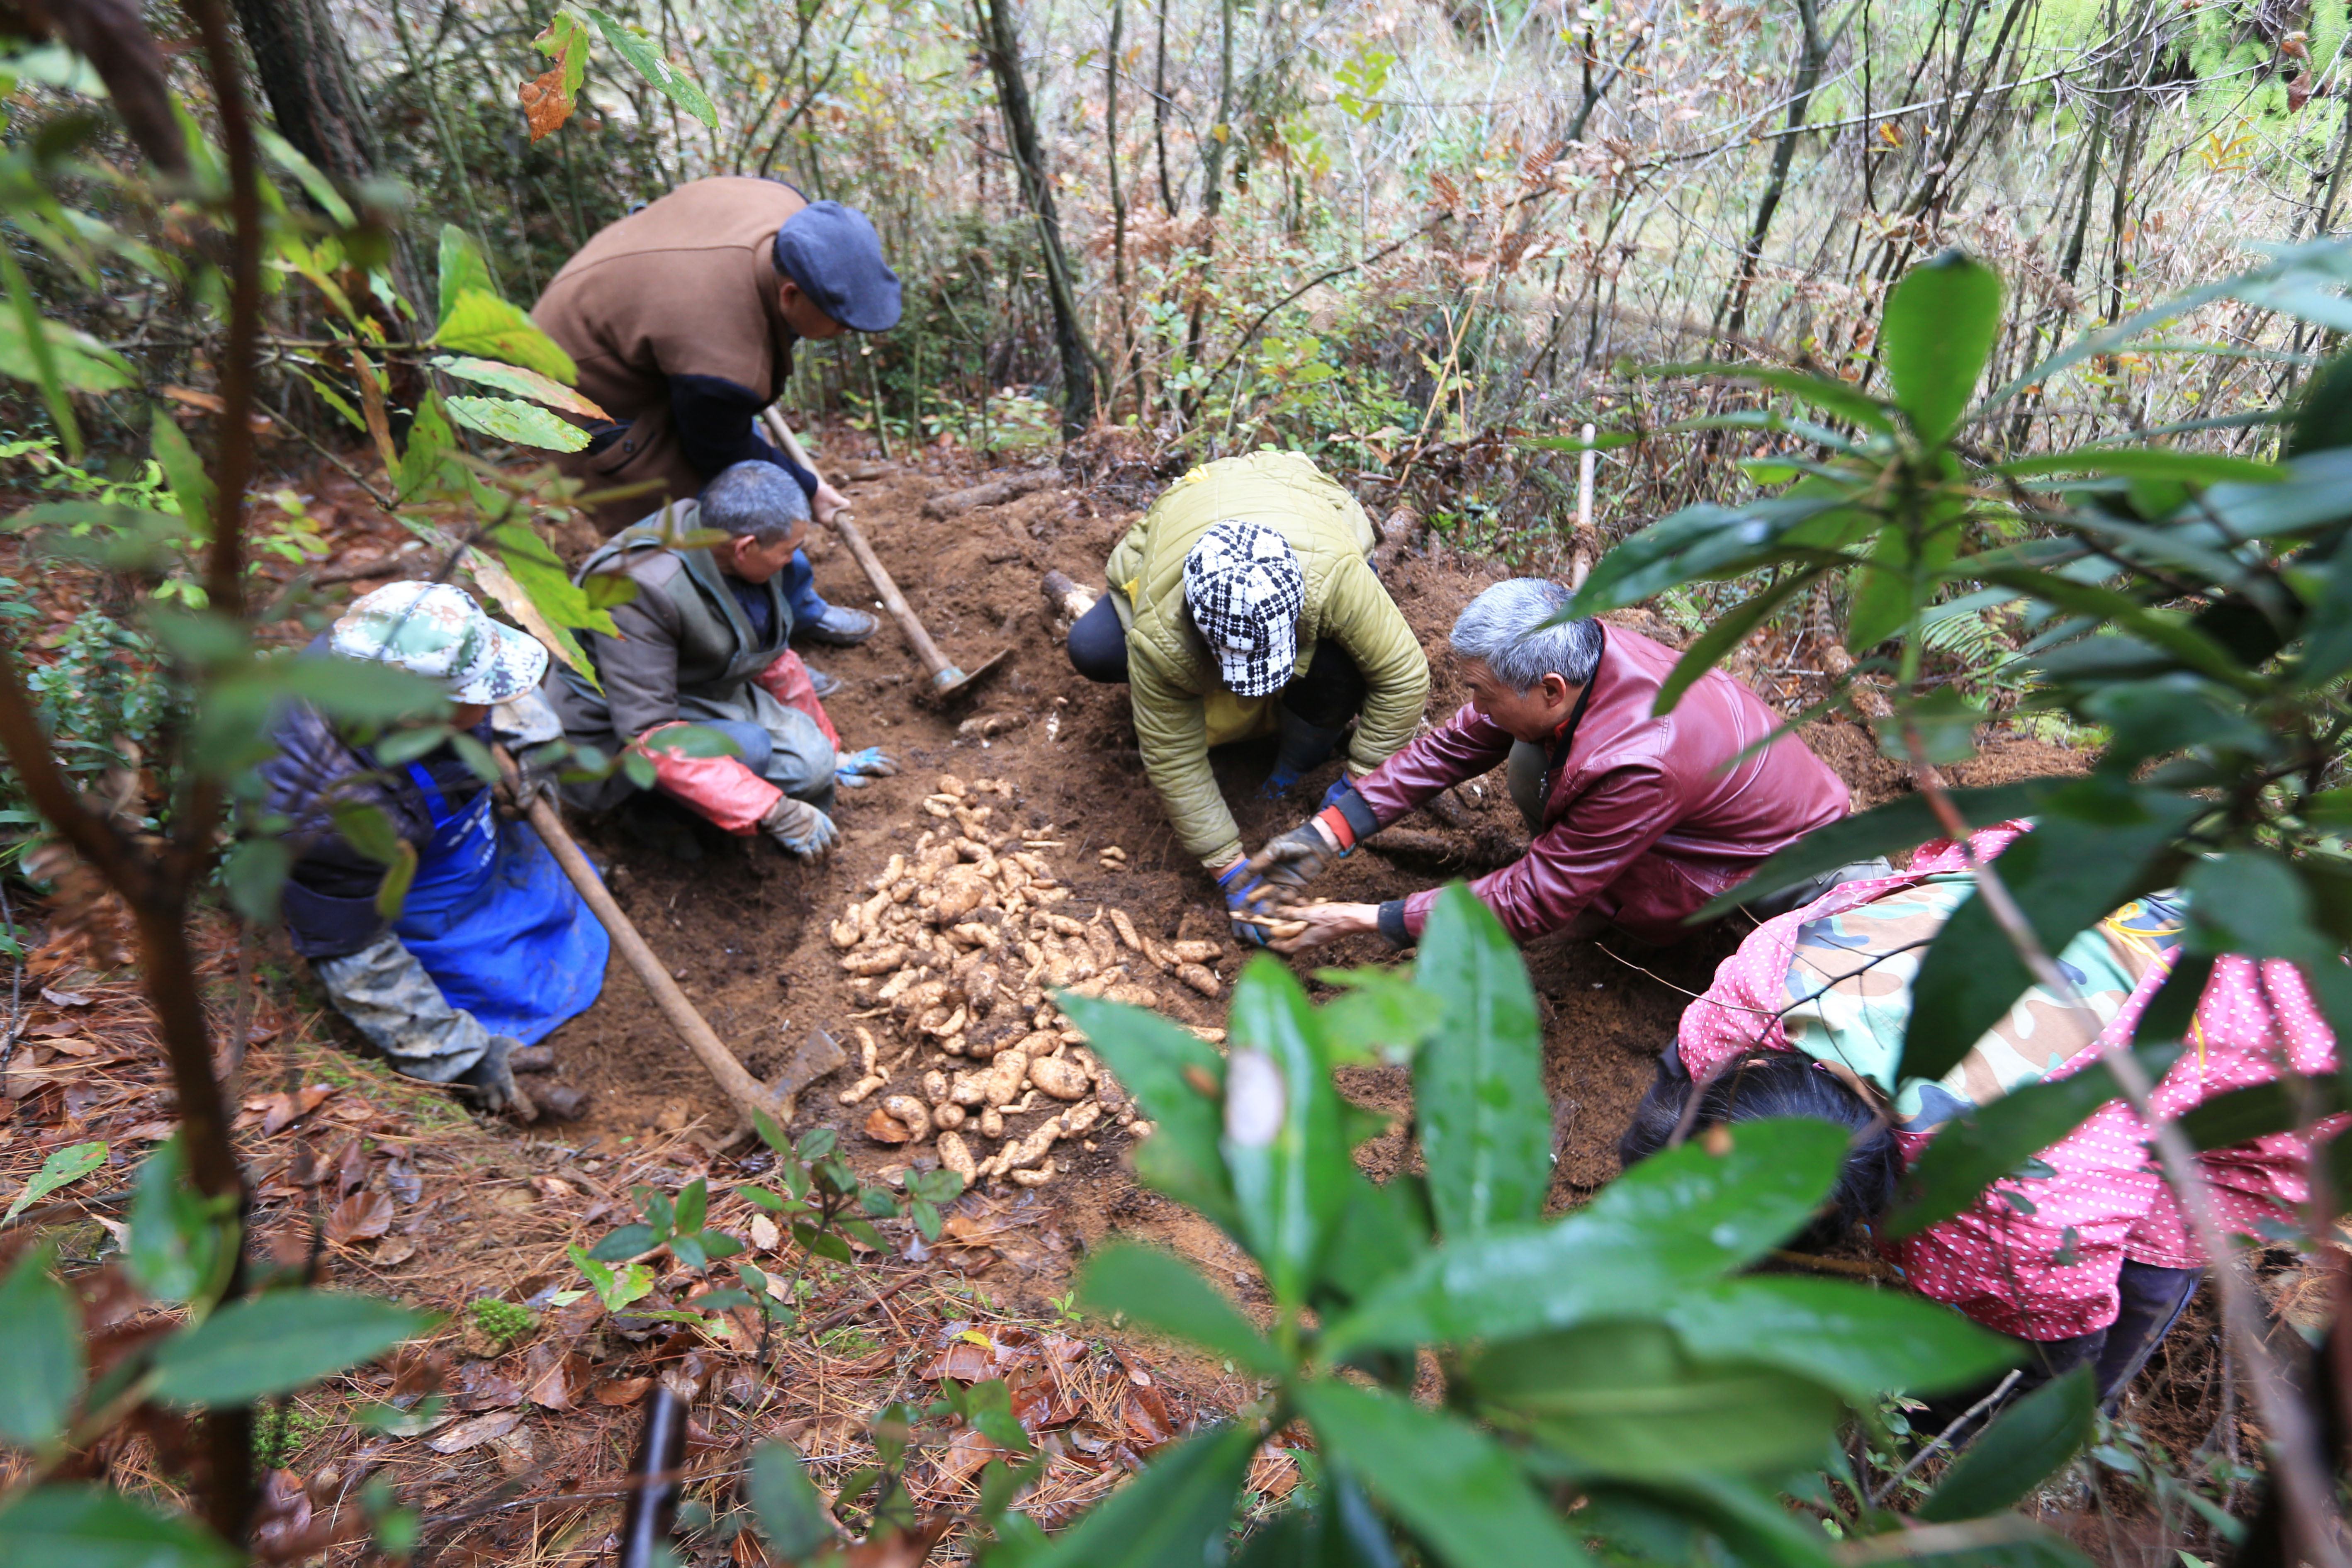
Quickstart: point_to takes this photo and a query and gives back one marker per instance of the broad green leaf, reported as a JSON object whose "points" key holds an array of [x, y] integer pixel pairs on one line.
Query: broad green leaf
{"points": [[1830, 396], [524, 424], [1384, 1230], [81, 361], [2023, 1446], [1895, 585], [1901, 822], [624, 1244], [2242, 1115], [177, 1247], [463, 268], [1338, 1530], [391, 893], [1939, 326], [1986, 1143], [1381, 1015], [2251, 901], [96, 1527], [40, 1351], [1861, 1341], [479, 323], [1680, 1218], [520, 381], [254, 873], [426, 465], [1176, 1514], [1158, 1063], [2163, 629], [1163, 1292], [276, 1342], [1455, 1488], [1727, 632], [2173, 712], [641, 52], [1753, 1519], [1625, 1398], [2097, 847], [2146, 463], [63, 1167], [1710, 540], [367, 830], [192, 487], [1282, 1137], [534, 571], [792, 1510], [1479, 1107]]}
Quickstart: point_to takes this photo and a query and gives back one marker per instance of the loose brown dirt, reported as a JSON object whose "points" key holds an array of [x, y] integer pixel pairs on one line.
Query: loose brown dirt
{"points": [[744, 929]]}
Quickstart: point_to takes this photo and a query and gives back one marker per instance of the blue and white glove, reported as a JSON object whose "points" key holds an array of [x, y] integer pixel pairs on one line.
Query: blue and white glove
{"points": [[1237, 884], [856, 770], [806, 833]]}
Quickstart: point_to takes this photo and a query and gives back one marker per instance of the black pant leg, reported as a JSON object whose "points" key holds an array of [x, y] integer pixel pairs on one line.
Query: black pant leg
{"points": [[1332, 690], [1098, 644]]}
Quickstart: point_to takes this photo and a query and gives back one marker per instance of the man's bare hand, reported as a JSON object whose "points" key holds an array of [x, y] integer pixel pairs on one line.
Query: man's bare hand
{"points": [[1325, 923], [827, 503]]}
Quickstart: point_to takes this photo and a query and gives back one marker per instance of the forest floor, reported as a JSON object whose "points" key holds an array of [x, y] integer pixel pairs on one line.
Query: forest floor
{"points": [[390, 1189]]}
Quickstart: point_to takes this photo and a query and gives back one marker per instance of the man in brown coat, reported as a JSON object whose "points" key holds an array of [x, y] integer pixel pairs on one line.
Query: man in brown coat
{"points": [[682, 318]]}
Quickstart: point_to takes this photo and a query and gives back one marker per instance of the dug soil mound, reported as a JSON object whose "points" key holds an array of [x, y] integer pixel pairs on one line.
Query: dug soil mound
{"points": [[749, 934]]}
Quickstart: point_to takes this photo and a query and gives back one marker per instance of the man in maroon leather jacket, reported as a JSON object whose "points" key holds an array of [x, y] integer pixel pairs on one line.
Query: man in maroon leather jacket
{"points": [[1638, 820]]}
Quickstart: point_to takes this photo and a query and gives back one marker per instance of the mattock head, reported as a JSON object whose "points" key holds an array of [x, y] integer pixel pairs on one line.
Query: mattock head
{"points": [[952, 685]]}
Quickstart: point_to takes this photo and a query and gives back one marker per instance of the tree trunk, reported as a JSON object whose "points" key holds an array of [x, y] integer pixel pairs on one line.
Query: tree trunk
{"points": [[1001, 43], [1800, 99], [304, 70], [1159, 112]]}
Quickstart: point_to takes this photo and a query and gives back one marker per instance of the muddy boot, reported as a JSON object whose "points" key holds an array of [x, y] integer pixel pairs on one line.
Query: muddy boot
{"points": [[561, 1101], [531, 1058]]}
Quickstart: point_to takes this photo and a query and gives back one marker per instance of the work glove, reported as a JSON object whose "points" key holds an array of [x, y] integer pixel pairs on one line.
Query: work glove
{"points": [[1291, 860], [856, 770], [1296, 858], [806, 833], [534, 777], [1237, 884], [491, 1082]]}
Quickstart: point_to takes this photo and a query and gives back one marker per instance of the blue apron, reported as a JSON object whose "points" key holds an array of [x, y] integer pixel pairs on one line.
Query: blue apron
{"points": [[495, 922]]}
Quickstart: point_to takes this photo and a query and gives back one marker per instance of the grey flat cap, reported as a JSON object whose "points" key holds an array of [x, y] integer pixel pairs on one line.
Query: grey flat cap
{"points": [[834, 254]]}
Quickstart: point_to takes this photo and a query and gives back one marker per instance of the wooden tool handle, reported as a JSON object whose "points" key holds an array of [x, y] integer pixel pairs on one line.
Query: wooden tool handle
{"points": [[733, 1077], [935, 663]]}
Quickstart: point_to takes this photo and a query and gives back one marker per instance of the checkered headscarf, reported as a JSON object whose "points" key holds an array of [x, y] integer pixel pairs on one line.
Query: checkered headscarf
{"points": [[1247, 592]]}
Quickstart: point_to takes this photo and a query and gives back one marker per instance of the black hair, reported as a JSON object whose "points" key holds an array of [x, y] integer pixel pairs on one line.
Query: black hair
{"points": [[1778, 1083]]}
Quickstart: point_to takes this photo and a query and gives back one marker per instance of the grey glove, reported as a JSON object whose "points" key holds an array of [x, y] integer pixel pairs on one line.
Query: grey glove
{"points": [[806, 833], [1296, 858], [491, 1081]]}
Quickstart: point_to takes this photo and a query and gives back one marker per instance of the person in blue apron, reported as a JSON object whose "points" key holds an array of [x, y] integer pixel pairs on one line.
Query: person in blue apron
{"points": [[492, 947]]}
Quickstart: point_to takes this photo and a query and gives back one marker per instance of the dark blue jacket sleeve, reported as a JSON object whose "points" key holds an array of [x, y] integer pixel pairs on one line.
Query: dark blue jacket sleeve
{"points": [[718, 424]]}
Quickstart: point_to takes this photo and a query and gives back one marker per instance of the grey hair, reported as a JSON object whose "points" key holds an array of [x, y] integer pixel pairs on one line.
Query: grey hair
{"points": [[754, 499], [1503, 629]]}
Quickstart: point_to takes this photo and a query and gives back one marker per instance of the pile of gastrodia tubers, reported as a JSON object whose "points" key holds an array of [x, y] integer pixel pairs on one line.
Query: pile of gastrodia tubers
{"points": [[958, 946]]}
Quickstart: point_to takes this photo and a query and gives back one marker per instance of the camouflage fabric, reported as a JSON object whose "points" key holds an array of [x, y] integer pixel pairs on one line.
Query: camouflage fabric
{"points": [[437, 631], [386, 992], [1848, 996]]}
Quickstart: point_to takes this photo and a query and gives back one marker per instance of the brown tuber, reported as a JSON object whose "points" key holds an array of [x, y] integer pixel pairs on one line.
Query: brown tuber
{"points": [[884, 1128], [1198, 978], [955, 1155], [913, 1113]]}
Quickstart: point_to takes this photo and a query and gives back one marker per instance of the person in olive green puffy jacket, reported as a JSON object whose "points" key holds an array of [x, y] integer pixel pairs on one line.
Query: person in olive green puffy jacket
{"points": [[1243, 604]]}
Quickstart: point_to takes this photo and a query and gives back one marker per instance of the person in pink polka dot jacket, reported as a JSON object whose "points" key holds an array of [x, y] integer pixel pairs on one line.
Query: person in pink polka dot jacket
{"points": [[2088, 1256]]}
